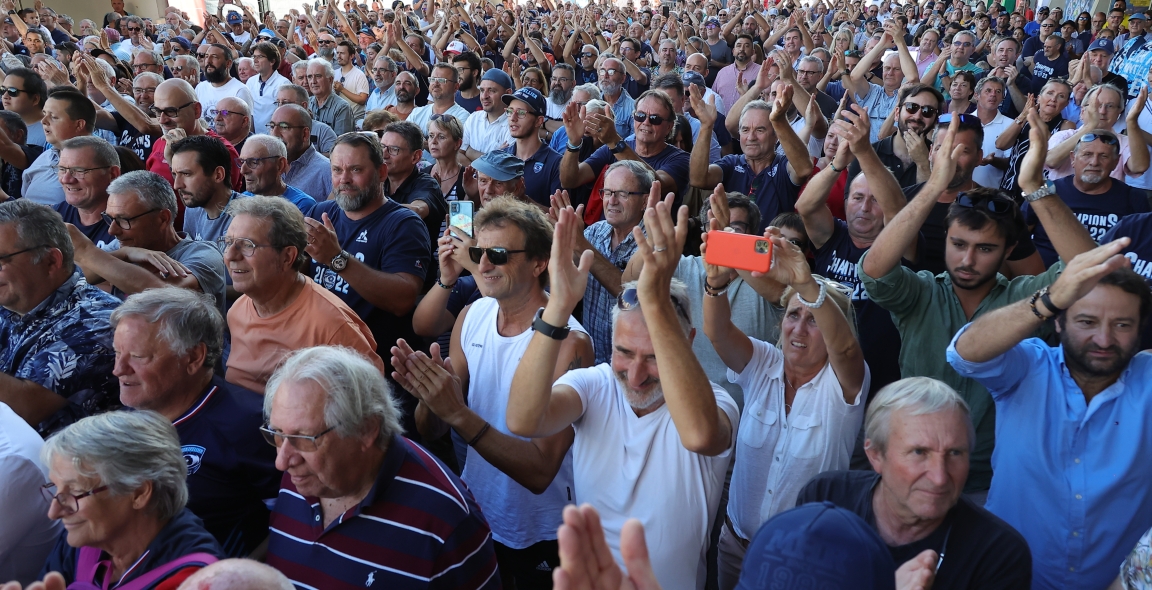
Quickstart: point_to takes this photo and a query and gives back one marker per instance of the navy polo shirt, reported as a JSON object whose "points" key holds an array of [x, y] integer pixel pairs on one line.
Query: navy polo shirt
{"points": [[772, 189], [672, 160], [541, 173], [1098, 213], [1138, 227], [1044, 69], [97, 232], [232, 475]]}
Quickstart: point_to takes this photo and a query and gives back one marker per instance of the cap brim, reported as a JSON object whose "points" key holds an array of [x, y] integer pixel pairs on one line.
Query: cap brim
{"points": [[491, 171]]}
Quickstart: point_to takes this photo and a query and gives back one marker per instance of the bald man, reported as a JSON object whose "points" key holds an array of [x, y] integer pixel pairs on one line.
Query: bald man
{"points": [[179, 117], [232, 119], [237, 574]]}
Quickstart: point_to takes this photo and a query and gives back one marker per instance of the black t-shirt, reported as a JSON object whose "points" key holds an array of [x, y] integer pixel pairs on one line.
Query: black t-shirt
{"points": [[133, 139], [980, 550], [1138, 227], [1098, 213], [1116, 80]]}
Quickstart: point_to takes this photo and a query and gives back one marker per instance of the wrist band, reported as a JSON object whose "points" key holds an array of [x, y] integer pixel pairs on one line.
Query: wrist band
{"points": [[819, 300], [573, 148], [1047, 301], [482, 432], [833, 167], [711, 291], [446, 287]]}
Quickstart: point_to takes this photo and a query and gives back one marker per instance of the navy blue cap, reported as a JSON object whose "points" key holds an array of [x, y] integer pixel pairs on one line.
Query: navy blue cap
{"points": [[691, 77], [234, 18], [498, 76], [499, 165], [1103, 43], [529, 95], [818, 545]]}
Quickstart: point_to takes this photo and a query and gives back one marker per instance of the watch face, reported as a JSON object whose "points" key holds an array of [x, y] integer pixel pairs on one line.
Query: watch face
{"points": [[339, 262]]}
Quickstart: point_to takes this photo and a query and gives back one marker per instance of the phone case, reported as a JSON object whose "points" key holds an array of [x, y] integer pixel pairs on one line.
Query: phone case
{"points": [[739, 251], [460, 215]]}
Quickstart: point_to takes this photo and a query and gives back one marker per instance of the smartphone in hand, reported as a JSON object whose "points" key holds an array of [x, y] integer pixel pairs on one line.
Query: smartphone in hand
{"points": [[739, 251], [460, 215]]}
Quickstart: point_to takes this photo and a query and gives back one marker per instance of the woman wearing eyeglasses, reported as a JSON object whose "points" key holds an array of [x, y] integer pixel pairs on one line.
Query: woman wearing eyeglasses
{"points": [[803, 396], [117, 482]]}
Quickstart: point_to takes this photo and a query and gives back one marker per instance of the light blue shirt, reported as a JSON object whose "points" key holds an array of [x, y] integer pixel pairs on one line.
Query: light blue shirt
{"points": [[380, 99], [40, 183], [1073, 477], [622, 111], [312, 174]]}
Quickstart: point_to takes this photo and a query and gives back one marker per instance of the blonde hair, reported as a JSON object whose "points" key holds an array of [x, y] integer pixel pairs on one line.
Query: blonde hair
{"points": [[842, 300]]}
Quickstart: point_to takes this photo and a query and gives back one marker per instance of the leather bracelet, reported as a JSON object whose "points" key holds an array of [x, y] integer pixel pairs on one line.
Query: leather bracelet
{"points": [[446, 287], [711, 291], [1047, 301], [834, 168], [480, 434]]}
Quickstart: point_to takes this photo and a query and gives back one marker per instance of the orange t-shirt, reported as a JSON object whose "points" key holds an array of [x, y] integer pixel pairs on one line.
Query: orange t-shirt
{"points": [[315, 318]]}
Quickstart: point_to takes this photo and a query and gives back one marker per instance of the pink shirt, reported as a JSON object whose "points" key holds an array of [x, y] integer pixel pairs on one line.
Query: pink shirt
{"points": [[725, 82], [1066, 169]]}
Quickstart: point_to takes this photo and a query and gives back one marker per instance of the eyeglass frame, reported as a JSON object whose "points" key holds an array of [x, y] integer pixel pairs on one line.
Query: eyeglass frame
{"points": [[270, 437], [476, 254], [629, 299], [222, 245], [75, 507], [984, 204], [125, 222], [253, 163], [158, 112], [6, 257], [606, 194], [77, 173]]}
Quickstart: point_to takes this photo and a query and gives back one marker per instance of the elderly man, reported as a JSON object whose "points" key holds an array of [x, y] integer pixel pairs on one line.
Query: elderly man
{"points": [[186, 68], [147, 61], [326, 105], [263, 86], [245, 70], [168, 342], [218, 81], [67, 113], [232, 120], [611, 83], [384, 77], [1062, 411], [698, 63], [918, 436], [202, 170], [263, 164], [899, 67], [583, 94], [402, 145], [308, 169], [237, 574], [419, 525], [487, 131], [522, 485], [688, 439], [320, 135], [498, 174], [1103, 106], [55, 364], [178, 113], [584, 62], [88, 164], [148, 252], [124, 115], [442, 86]]}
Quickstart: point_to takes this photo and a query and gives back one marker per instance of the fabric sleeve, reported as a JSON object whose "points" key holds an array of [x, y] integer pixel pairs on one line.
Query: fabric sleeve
{"points": [[207, 265], [677, 167], [325, 139], [467, 560], [588, 384], [20, 488], [1003, 374], [406, 247], [899, 291], [599, 159], [343, 122], [757, 373]]}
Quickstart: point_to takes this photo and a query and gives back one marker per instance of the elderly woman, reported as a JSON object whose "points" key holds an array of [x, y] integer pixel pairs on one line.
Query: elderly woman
{"points": [[803, 397], [117, 481]]}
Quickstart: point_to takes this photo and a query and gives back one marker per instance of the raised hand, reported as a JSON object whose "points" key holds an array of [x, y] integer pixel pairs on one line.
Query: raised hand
{"points": [[586, 562], [1085, 270], [429, 378], [567, 280], [947, 152], [573, 118], [705, 110], [782, 104], [604, 129], [660, 249], [1031, 176]]}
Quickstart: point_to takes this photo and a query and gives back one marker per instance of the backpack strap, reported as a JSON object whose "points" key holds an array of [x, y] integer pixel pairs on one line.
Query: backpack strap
{"points": [[159, 573]]}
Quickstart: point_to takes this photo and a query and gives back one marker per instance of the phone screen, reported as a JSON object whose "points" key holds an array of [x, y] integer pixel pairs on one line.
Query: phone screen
{"points": [[460, 215]]}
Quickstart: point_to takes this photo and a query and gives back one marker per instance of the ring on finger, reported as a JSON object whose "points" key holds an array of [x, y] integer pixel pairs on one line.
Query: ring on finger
{"points": [[659, 249]]}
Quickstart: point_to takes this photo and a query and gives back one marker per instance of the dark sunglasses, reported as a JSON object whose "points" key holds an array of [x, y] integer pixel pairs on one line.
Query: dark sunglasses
{"points": [[854, 53], [1107, 139], [497, 256], [912, 108], [10, 91], [629, 299], [995, 205], [640, 117]]}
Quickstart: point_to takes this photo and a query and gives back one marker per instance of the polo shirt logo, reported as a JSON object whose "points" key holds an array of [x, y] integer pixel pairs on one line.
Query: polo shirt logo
{"points": [[363, 237], [538, 167], [371, 579], [739, 168], [193, 457]]}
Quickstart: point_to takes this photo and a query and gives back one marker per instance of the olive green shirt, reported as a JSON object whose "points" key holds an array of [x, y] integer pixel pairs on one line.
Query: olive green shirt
{"points": [[928, 314]]}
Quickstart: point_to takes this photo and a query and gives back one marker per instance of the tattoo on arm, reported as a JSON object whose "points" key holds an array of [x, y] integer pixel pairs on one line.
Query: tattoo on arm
{"points": [[576, 363]]}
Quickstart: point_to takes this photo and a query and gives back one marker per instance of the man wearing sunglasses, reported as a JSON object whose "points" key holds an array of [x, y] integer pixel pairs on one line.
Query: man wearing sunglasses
{"points": [[584, 62], [654, 377], [983, 226], [905, 153], [50, 320]]}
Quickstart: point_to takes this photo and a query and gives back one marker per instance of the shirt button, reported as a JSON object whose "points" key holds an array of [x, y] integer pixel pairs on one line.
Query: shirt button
{"points": [[1071, 569], [1079, 497], [1075, 534], [317, 518], [769, 491], [1077, 459]]}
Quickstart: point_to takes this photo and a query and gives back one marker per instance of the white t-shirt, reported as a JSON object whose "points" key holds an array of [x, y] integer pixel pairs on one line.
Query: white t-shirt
{"points": [[989, 175], [636, 467], [264, 99], [1143, 181], [355, 81], [555, 111], [483, 136], [778, 454], [518, 518], [27, 535], [208, 95], [240, 39], [421, 115]]}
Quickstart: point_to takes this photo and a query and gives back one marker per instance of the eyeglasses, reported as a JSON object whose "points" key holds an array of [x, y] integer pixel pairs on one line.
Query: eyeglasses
{"points": [[324, 42], [854, 53], [138, 67], [124, 222], [247, 247], [442, 117], [69, 502], [77, 173], [518, 113], [608, 71], [912, 108], [641, 116], [6, 257], [808, 72], [170, 112], [254, 162], [497, 256], [961, 44], [587, 55], [301, 442], [390, 149], [1107, 139], [622, 195], [283, 125], [214, 113], [995, 205], [13, 92], [629, 299], [144, 90], [382, 70], [134, 29]]}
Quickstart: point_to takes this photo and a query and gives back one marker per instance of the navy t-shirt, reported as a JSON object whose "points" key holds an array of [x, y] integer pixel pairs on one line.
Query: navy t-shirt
{"points": [[1138, 227], [1044, 69], [772, 189], [672, 160], [231, 469], [392, 239], [469, 104], [541, 173], [879, 338], [97, 232], [1098, 213], [133, 139]]}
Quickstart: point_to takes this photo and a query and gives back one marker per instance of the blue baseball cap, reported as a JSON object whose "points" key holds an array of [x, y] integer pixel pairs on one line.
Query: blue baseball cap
{"points": [[1103, 43], [818, 545], [499, 165], [530, 96], [1138, 16], [266, 33], [499, 77], [234, 18], [689, 78]]}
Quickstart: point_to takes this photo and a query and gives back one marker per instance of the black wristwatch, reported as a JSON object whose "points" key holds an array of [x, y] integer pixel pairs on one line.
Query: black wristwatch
{"points": [[553, 332], [620, 147], [339, 261]]}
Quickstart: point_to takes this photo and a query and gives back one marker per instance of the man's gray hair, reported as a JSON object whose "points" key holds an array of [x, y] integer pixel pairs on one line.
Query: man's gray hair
{"points": [[188, 62], [244, 60], [125, 450], [592, 90], [272, 145], [157, 78], [680, 302], [299, 92], [812, 59], [134, 19], [323, 63], [287, 222], [755, 105], [975, 39], [64, 18], [105, 152], [358, 395], [185, 319], [148, 187], [917, 396], [157, 59], [990, 80], [641, 173], [300, 65], [596, 105], [38, 225]]}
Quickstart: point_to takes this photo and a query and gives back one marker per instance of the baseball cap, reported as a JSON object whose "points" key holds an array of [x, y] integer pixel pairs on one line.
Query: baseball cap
{"points": [[711, 21], [691, 78], [818, 545], [1103, 43], [456, 47], [234, 18], [1138, 16], [499, 165], [183, 42], [266, 33], [532, 97], [499, 77]]}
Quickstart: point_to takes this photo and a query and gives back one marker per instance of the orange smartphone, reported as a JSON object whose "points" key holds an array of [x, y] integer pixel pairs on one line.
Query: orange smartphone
{"points": [[740, 251]]}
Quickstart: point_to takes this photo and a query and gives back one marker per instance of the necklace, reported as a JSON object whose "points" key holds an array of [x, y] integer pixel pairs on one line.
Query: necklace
{"points": [[442, 175], [788, 406]]}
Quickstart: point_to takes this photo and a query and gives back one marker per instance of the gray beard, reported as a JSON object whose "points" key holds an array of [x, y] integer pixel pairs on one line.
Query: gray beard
{"points": [[560, 96], [637, 400], [326, 53], [1091, 178], [610, 89], [354, 202]]}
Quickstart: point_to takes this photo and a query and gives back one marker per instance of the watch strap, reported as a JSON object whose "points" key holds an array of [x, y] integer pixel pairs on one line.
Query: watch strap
{"points": [[543, 327], [619, 147]]}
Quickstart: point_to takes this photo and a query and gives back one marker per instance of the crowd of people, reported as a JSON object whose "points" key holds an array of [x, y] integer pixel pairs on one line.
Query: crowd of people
{"points": [[420, 295]]}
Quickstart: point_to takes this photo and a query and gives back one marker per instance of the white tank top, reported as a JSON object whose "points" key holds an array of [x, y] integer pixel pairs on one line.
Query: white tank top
{"points": [[518, 518]]}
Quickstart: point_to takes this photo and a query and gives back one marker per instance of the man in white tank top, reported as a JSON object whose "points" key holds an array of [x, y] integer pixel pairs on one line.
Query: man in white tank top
{"points": [[521, 484]]}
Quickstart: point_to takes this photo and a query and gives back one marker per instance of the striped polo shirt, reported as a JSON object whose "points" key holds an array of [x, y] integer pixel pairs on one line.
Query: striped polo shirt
{"points": [[417, 528]]}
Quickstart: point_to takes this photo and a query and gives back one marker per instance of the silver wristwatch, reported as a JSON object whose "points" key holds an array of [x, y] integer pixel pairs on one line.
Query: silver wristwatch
{"points": [[339, 261], [1047, 190]]}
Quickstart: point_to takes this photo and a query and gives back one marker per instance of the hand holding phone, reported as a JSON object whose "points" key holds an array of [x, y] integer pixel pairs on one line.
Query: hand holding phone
{"points": [[460, 214], [739, 251]]}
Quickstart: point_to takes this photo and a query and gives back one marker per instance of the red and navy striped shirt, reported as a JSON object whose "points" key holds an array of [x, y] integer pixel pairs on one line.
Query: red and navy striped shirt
{"points": [[418, 528]]}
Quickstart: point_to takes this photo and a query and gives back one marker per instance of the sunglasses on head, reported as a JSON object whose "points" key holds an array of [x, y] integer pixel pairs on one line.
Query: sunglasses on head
{"points": [[629, 299], [912, 108], [1107, 139], [497, 256], [640, 117], [996, 205]]}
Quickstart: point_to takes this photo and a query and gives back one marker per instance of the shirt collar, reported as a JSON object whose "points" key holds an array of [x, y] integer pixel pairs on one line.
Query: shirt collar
{"points": [[53, 301]]}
